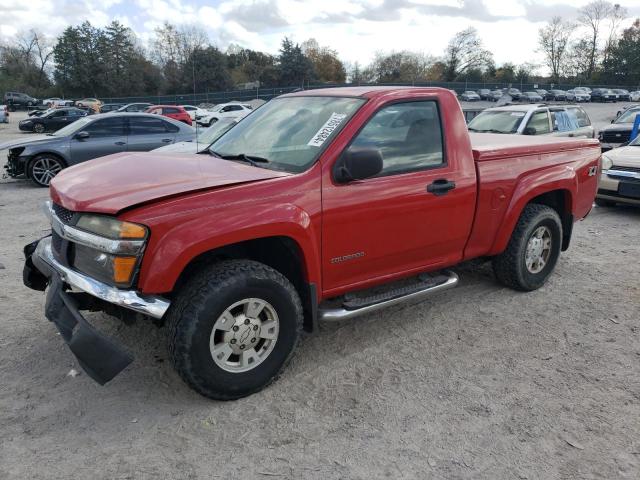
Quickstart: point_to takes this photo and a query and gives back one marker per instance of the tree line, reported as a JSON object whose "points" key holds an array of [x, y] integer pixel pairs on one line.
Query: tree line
{"points": [[111, 61]]}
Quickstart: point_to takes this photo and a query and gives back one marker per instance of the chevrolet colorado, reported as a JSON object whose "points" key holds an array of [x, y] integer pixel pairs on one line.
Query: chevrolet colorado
{"points": [[322, 205]]}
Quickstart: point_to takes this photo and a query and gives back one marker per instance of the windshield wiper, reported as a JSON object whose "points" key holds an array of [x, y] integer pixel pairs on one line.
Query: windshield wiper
{"points": [[490, 130], [243, 157]]}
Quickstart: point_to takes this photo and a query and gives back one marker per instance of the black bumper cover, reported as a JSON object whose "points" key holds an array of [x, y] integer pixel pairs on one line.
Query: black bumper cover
{"points": [[98, 355]]}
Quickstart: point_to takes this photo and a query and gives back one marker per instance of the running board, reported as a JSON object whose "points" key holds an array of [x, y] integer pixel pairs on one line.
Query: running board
{"points": [[360, 306]]}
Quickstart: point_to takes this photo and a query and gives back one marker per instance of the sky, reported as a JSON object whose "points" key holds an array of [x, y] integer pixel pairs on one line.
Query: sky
{"points": [[356, 29]]}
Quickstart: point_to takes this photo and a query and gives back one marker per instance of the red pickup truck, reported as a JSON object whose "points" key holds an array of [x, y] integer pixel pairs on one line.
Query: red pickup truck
{"points": [[321, 205]]}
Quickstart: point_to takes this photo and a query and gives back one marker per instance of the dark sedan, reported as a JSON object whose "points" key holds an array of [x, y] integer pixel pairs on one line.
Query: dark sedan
{"points": [[40, 158], [603, 95], [623, 95], [51, 120], [111, 107], [556, 95]]}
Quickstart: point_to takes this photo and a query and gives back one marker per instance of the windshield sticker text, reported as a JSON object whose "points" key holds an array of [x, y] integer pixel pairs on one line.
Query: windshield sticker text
{"points": [[327, 129]]}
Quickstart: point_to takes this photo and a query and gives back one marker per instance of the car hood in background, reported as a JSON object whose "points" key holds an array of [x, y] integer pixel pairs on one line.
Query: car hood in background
{"points": [[625, 156], [29, 140], [182, 147], [115, 182]]}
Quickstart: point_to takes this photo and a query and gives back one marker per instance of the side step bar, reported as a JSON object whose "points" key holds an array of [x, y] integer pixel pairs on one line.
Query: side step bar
{"points": [[347, 311]]}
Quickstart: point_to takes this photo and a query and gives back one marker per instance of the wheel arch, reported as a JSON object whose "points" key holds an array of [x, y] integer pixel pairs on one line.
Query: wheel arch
{"points": [[559, 199], [282, 253]]}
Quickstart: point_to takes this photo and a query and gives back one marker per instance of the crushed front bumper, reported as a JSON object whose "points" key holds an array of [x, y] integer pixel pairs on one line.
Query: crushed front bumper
{"points": [[98, 355]]}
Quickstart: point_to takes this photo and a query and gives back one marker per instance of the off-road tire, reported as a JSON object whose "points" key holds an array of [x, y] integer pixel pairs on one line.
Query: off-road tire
{"points": [[510, 268], [197, 306], [601, 202]]}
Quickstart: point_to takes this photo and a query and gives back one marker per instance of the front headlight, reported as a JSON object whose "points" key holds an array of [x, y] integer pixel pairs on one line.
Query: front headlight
{"points": [[102, 260], [607, 163]]}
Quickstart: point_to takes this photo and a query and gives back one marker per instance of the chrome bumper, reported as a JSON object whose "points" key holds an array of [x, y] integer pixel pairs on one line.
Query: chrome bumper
{"points": [[151, 305]]}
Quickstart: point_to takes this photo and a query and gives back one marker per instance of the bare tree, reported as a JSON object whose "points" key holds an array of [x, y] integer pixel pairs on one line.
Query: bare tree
{"points": [[616, 17], [591, 16], [553, 40], [465, 52], [36, 49]]}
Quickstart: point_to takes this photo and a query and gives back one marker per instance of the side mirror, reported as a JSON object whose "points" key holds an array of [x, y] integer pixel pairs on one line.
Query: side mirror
{"points": [[358, 163], [529, 131], [82, 135]]}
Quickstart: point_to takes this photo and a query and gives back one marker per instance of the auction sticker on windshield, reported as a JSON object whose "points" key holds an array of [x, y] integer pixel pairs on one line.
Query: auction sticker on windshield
{"points": [[327, 129]]}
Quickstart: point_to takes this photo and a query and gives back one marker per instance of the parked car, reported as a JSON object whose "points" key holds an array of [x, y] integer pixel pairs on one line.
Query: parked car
{"points": [[203, 140], [51, 120], [603, 95], [484, 94], [556, 95], [625, 108], [42, 157], [194, 112], [542, 92], [495, 95], [515, 93], [15, 99], [620, 177], [553, 120], [469, 96], [471, 112], [4, 114], [622, 95], [531, 97], [619, 132], [635, 96], [291, 218], [110, 107], [92, 103], [225, 110], [578, 95], [56, 102], [172, 111], [134, 107]]}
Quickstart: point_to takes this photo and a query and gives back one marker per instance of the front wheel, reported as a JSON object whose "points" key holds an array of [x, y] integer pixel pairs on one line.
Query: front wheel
{"points": [[38, 128], [43, 168], [233, 327], [533, 250], [212, 121]]}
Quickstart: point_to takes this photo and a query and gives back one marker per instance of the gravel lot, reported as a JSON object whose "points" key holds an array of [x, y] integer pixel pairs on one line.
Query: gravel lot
{"points": [[479, 383]]}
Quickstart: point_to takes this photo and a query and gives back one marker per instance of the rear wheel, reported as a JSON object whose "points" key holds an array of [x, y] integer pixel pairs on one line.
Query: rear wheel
{"points": [[43, 168], [212, 121], [533, 250], [233, 327], [38, 128]]}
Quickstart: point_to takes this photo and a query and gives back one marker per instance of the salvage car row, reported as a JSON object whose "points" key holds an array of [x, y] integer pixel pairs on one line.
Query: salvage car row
{"points": [[577, 94]]}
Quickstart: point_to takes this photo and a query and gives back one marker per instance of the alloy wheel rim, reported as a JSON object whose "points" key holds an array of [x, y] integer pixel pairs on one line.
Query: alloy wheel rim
{"points": [[244, 335], [538, 250], [38, 128], [44, 169]]}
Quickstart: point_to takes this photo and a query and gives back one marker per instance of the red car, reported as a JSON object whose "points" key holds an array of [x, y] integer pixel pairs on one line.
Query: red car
{"points": [[172, 111], [301, 209]]}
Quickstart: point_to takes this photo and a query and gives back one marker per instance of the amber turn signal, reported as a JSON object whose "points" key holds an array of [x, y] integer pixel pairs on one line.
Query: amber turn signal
{"points": [[123, 269], [132, 230]]}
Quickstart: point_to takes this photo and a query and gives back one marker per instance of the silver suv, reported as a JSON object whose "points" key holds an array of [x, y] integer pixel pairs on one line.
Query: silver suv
{"points": [[537, 119]]}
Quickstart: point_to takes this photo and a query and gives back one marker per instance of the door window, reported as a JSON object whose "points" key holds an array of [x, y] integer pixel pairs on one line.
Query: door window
{"points": [[107, 127], [408, 135], [580, 115], [149, 126], [171, 110], [538, 123]]}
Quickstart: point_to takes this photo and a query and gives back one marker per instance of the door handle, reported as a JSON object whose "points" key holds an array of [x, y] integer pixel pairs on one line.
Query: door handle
{"points": [[121, 143], [166, 140], [441, 186]]}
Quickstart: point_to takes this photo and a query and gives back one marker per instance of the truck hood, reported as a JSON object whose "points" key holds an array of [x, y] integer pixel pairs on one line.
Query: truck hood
{"points": [[116, 182]]}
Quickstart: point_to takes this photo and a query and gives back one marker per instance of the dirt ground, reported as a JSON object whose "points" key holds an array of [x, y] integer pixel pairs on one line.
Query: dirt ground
{"points": [[478, 383]]}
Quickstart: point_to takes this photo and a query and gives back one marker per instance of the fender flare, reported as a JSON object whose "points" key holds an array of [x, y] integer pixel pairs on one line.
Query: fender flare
{"points": [[562, 178]]}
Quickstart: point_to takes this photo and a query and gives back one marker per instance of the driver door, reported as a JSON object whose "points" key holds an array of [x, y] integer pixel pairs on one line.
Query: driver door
{"points": [[106, 136]]}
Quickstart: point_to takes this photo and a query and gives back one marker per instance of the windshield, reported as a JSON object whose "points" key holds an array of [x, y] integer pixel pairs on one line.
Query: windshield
{"points": [[628, 117], [215, 131], [497, 121], [290, 132], [72, 127]]}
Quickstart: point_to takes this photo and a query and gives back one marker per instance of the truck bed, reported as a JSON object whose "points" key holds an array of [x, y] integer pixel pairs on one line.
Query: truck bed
{"points": [[510, 166], [493, 146]]}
